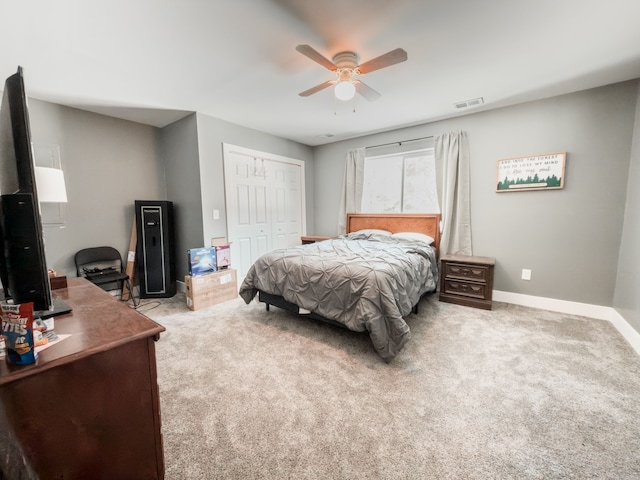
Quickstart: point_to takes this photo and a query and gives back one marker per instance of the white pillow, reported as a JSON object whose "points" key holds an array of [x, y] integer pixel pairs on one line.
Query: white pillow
{"points": [[371, 231], [414, 236]]}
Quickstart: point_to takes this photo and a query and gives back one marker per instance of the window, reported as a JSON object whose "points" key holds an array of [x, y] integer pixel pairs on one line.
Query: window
{"points": [[400, 183]]}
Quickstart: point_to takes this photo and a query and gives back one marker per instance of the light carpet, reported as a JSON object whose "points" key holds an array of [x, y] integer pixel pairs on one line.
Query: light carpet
{"points": [[512, 393]]}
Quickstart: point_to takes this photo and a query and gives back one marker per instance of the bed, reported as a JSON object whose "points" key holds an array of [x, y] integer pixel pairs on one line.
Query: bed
{"points": [[365, 280]]}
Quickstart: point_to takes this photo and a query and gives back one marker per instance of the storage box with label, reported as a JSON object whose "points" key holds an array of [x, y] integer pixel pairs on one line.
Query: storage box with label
{"points": [[212, 288], [202, 260], [223, 256], [223, 251]]}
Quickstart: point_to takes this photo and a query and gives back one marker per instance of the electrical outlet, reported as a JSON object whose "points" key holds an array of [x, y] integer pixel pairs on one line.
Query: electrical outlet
{"points": [[526, 274]]}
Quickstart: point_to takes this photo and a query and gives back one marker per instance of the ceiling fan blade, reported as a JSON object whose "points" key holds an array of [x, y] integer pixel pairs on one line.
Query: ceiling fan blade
{"points": [[316, 57], [366, 91], [317, 88], [390, 58]]}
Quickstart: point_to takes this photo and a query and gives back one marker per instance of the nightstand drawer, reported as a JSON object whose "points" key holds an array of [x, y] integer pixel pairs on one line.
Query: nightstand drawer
{"points": [[465, 289], [478, 273]]}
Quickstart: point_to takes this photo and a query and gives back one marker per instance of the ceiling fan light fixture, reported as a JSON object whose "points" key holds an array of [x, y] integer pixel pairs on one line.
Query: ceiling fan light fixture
{"points": [[344, 90], [346, 66]]}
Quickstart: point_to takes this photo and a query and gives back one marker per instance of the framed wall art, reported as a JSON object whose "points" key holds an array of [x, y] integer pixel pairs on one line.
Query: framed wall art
{"points": [[536, 172]]}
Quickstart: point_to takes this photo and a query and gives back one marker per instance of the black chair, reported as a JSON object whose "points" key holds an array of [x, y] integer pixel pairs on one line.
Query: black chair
{"points": [[103, 266]]}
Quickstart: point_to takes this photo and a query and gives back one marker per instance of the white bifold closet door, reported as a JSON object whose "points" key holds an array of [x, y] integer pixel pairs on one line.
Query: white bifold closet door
{"points": [[265, 204]]}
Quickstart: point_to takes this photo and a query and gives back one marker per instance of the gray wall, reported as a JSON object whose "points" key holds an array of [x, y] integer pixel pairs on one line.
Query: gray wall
{"points": [[108, 163], [579, 242], [178, 148], [569, 238], [627, 300], [192, 153], [212, 133]]}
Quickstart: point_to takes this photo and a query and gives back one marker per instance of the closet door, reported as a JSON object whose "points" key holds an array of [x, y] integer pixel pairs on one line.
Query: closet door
{"points": [[265, 199], [285, 200], [248, 217]]}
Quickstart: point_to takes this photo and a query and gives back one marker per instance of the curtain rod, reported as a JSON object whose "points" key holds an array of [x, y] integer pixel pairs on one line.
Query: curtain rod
{"points": [[400, 142]]}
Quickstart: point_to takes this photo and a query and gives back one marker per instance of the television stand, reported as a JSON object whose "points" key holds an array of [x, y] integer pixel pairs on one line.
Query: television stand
{"points": [[90, 406], [59, 307]]}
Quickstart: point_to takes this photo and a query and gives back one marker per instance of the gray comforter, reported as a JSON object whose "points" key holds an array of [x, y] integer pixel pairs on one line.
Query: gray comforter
{"points": [[367, 282]]}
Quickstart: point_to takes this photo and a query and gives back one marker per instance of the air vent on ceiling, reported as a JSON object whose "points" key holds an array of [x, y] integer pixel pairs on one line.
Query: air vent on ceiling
{"points": [[474, 102]]}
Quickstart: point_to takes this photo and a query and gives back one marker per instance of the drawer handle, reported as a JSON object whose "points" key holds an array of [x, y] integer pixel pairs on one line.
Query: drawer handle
{"points": [[468, 288], [467, 272], [465, 288]]}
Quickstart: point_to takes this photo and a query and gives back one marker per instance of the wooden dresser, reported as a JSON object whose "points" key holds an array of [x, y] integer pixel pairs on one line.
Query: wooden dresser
{"points": [[467, 280], [90, 407]]}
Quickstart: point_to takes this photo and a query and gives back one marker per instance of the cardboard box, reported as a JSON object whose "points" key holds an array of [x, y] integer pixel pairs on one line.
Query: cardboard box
{"points": [[219, 241], [223, 256], [223, 251], [211, 288], [202, 260]]}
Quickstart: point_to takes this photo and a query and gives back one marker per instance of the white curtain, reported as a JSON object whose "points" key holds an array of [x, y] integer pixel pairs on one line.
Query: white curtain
{"points": [[352, 187], [452, 161]]}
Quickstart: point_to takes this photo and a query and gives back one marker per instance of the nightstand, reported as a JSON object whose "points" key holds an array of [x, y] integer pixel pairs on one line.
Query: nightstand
{"points": [[467, 280], [313, 239]]}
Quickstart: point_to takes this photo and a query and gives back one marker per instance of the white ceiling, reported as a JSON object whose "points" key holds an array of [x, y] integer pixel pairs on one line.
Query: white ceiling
{"points": [[153, 61]]}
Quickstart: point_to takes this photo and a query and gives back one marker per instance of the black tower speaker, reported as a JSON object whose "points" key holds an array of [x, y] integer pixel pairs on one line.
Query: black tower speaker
{"points": [[155, 252], [24, 274]]}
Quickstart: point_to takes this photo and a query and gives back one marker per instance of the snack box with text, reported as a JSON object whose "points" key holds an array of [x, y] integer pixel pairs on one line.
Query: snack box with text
{"points": [[17, 330]]}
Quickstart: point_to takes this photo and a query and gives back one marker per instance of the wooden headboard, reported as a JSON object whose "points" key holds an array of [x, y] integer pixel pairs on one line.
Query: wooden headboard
{"points": [[427, 223]]}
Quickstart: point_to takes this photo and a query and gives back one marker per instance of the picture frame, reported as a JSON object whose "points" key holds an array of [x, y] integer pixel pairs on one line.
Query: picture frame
{"points": [[533, 172]]}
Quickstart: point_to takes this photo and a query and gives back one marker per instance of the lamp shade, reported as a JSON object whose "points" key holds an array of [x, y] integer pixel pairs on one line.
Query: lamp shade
{"points": [[344, 90], [50, 185]]}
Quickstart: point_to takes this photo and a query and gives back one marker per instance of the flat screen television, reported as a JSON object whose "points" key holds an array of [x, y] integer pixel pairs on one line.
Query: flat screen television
{"points": [[23, 265]]}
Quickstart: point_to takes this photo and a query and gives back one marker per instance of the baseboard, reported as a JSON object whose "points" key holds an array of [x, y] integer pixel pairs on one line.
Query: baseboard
{"points": [[181, 287], [575, 308]]}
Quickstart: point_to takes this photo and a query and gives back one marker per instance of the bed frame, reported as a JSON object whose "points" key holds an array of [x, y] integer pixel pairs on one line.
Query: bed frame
{"points": [[426, 223]]}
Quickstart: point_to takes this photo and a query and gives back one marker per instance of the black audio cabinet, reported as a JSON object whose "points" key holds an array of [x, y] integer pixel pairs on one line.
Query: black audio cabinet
{"points": [[155, 252]]}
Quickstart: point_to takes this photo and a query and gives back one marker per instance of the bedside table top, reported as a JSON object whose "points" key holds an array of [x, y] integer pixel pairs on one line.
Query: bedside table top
{"points": [[316, 238], [468, 259]]}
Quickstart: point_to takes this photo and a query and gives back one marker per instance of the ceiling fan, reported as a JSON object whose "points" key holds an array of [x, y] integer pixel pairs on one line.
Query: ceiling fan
{"points": [[345, 65]]}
